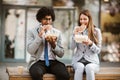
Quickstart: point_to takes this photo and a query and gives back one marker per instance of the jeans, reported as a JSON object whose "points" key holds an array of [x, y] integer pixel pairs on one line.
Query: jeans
{"points": [[90, 69]]}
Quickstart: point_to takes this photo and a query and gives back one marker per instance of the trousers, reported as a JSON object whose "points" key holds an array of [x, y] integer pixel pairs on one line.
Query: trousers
{"points": [[90, 69], [56, 67]]}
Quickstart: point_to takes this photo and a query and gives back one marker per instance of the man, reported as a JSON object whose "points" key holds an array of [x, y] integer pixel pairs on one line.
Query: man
{"points": [[44, 49]]}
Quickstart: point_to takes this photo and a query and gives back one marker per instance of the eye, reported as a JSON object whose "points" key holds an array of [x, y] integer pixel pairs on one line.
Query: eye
{"points": [[83, 19], [47, 19]]}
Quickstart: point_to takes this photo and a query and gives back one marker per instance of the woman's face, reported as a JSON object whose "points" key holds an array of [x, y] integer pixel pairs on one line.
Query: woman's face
{"points": [[84, 19]]}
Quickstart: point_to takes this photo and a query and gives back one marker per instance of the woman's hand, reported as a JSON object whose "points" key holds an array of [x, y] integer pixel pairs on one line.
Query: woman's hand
{"points": [[76, 30], [79, 29], [88, 42], [82, 27]]}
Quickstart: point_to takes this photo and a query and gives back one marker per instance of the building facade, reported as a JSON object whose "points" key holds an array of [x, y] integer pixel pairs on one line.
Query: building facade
{"points": [[17, 16]]}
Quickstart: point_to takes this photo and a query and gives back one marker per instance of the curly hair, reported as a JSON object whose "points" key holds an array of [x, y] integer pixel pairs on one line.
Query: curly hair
{"points": [[45, 11]]}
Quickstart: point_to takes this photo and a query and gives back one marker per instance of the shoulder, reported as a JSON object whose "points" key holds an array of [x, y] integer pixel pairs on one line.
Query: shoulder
{"points": [[33, 30], [97, 30], [98, 33], [56, 30]]}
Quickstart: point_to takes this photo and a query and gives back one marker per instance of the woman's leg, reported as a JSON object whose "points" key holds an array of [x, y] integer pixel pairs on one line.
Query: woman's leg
{"points": [[79, 70], [90, 70]]}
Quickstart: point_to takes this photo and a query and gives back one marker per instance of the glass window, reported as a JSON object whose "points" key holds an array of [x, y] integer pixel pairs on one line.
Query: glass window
{"points": [[65, 21], [14, 33]]}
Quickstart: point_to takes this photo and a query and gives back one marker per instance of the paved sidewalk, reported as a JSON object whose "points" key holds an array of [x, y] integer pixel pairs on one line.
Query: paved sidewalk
{"points": [[3, 74]]}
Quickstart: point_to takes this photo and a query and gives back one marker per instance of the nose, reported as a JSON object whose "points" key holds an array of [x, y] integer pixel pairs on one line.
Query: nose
{"points": [[48, 21], [82, 21]]}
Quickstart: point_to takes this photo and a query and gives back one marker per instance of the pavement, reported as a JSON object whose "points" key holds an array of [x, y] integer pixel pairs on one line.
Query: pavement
{"points": [[3, 74]]}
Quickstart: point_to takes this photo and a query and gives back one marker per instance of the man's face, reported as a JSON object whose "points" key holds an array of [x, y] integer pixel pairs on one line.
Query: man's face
{"points": [[47, 20]]}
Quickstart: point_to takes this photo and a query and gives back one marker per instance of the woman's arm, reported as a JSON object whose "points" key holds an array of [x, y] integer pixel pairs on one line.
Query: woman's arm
{"points": [[59, 50], [72, 43], [97, 48]]}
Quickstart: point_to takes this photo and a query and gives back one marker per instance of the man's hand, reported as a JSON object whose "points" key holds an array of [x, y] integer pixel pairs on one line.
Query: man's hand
{"points": [[44, 29], [47, 27], [52, 40]]}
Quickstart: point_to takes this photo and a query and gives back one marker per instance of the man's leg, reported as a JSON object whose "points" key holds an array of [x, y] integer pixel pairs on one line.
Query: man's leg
{"points": [[37, 70], [59, 70]]}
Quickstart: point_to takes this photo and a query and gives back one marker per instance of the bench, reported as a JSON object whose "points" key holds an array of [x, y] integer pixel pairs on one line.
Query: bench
{"points": [[105, 73], [16, 74]]}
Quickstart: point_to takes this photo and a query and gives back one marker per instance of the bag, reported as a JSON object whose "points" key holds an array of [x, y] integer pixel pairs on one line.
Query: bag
{"points": [[84, 61]]}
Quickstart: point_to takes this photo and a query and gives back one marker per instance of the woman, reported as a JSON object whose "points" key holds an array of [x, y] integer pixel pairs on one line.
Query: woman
{"points": [[86, 49]]}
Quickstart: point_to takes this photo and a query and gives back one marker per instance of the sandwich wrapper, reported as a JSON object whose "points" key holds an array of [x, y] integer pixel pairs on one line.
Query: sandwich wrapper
{"points": [[50, 35], [80, 38]]}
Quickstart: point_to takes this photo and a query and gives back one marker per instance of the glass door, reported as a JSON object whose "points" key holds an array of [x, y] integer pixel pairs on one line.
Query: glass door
{"points": [[13, 48]]}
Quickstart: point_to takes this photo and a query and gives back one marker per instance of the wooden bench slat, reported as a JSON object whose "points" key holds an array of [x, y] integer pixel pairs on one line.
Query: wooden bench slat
{"points": [[14, 75], [105, 73]]}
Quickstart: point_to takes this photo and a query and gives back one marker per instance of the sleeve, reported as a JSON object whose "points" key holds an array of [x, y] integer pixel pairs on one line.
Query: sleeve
{"points": [[59, 50], [72, 43], [97, 48], [33, 42]]}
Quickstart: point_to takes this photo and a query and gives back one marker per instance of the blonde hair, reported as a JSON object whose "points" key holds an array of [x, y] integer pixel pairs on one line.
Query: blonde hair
{"points": [[90, 26]]}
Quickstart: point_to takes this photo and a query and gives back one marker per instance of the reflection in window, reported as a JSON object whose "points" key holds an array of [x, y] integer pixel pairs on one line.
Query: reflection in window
{"points": [[65, 24], [110, 25], [14, 33], [9, 50], [28, 2]]}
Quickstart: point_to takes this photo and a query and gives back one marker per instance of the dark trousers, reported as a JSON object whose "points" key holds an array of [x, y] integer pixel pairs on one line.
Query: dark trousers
{"points": [[57, 68]]}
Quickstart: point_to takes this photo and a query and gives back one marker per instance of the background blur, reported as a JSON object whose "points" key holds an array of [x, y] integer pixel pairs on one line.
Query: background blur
{"points": [[17, 16]]}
